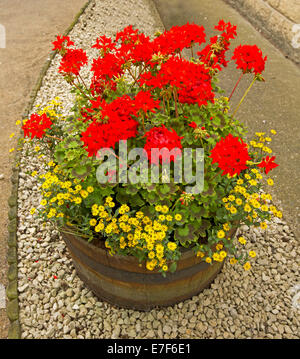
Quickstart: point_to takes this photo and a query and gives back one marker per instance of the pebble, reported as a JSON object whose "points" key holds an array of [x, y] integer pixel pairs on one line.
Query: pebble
{"points": [[23, 288], [167, 329]]}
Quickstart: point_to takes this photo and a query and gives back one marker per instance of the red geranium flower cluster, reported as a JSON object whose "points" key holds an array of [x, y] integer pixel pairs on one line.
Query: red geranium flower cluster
{"points": [[72, 61], [155, 67], [162, 139], [36, 126], [60, 42], [129, 46], [145, 102], [133, 47], [268, 164], [178, 38], [116, 121], [114, 124], [106, 69], [192, 81], [214, 53], [231, 154], [105, 44], [249, 58], [228, 30]]}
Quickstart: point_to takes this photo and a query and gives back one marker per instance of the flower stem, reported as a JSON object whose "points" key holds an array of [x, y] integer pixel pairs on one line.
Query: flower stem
{"points": [[218, 173], [134, 77], [55, 138], [245, 94], [143, 122], [238, 81], [192, 52], [164, 105], [168, 107], [78, 88], [84, 84], [171, 209], [175, 100]]}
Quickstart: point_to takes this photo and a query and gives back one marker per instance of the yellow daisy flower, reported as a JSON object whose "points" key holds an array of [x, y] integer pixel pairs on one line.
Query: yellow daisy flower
{"points": [[233, 261], [221, 234], [263, 225], [247, 266], [242, 240], [178, 217], [252, 254]]}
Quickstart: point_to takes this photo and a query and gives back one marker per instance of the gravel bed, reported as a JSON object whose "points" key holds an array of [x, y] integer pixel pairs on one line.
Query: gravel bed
{"points": [[54, 303]]}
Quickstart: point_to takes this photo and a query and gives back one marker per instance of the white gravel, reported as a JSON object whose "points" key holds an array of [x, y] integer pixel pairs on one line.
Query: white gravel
{"points": [[54, 303]]}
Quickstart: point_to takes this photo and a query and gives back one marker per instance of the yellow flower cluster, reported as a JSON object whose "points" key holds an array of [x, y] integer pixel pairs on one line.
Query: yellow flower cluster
{"points": [[57, 193], [262, 139], [50, 108], [131, 231], [252, 204], [220, 254], [245, 199]]}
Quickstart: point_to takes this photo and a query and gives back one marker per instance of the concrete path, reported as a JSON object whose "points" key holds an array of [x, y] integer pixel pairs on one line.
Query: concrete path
{"points": [[30, 26], [274, 104]]}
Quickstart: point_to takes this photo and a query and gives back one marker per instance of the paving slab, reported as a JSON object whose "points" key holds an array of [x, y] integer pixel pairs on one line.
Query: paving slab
{"points": [[273, 104]]}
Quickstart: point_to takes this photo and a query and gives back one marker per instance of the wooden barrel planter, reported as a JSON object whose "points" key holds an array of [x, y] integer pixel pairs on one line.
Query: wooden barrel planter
{"points": [[121, 281]]}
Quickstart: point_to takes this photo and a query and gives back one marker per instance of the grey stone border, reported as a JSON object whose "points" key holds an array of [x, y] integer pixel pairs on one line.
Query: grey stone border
{"points": [[12, 307]]}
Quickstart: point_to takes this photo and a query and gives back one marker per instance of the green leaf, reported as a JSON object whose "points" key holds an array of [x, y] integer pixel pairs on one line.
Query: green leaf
{"points": [[73, 144], [183, 231], [136, 201], [209, 192], [164, 189], [80, 170], [197, 211], [122, 197], [131, 189], [173, 267], [149, 186], [59, 156], [205, 225], [186, 235]]}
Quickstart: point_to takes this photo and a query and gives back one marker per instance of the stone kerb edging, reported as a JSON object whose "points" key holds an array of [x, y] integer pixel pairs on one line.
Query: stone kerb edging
{"points": [[12, 308]]}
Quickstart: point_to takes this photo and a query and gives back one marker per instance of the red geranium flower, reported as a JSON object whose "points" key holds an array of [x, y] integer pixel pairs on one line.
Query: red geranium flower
{"points": [[268, 164], [164, 140], [214, 53], [178, 38], [36, 126], [145, 102], [231, 154], [72, 61], [127, 35], [115, 123], [106, 69], [60, 42], [192, 81], [228, 30], [248, 58], [104, 44]]}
